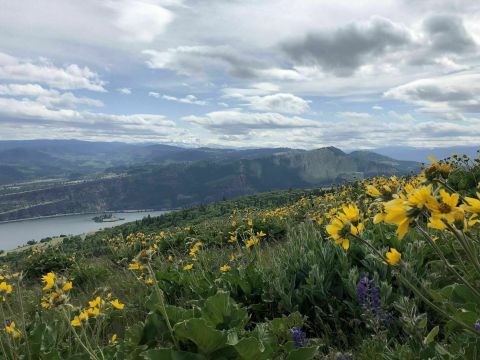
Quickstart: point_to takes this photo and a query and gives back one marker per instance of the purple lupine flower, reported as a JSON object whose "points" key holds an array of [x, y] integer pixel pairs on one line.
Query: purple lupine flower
{"points": [[477, 326], [362, 290], [374, 296], [299, 337], [368, 296]]}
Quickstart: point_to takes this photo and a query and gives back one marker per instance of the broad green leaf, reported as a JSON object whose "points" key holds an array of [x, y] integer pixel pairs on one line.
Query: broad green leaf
{"points": [[281, 326], [458, 293], [134, 333], [154, 328], [35, 340], [177, 314], [201, 334], [251, 348], [223, 313]]}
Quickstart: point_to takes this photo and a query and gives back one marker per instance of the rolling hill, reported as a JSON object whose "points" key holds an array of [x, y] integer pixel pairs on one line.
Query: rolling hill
{"points": [[182, 184], [41, 159]]}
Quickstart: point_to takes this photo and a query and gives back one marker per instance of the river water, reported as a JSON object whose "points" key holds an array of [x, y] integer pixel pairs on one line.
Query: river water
{"points": [[17, 233]]}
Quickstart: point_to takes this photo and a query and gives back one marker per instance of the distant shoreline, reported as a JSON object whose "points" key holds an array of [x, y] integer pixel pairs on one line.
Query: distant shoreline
{"points": [[84, 213]]}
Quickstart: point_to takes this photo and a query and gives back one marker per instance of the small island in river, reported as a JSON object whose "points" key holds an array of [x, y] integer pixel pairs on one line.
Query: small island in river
{"points": [[106, 218]]}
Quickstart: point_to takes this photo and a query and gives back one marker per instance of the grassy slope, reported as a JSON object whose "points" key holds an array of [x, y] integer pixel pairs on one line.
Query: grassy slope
{"points": [[296, 268]]}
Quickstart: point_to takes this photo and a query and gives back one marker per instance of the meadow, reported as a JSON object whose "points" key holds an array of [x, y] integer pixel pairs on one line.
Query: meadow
{"points": [[383, 268]]}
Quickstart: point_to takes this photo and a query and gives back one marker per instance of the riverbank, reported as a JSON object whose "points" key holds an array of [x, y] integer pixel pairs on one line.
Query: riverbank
{"points": [[86, 213], [17, 233]]}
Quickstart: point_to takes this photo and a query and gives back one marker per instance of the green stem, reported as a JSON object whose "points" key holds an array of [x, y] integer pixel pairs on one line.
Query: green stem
{"points": [[448, 265], [459, 259], [468, 249], [85, 347], [24, 328], [3, 349], [162, 304], [8, 337], [435, 307], [382, 258]]}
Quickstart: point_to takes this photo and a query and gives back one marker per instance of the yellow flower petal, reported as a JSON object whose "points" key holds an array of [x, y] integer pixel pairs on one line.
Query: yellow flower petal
{"points": [[393, 256]]}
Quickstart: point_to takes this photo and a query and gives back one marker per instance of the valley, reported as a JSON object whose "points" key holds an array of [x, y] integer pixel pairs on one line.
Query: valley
{"points": [[169, 177]]}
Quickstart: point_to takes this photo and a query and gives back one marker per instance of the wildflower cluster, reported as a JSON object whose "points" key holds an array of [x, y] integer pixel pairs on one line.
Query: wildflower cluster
{"points": [[11, 329], [425, 205], [96, 307], [56, 290], [5, 287], [345, 223], [244, 230]]}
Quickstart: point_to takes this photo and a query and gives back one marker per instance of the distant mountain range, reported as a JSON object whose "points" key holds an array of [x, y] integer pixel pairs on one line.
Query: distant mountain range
{"points": [[71, 159], [40, 159], [422, 154], [159, 177]]}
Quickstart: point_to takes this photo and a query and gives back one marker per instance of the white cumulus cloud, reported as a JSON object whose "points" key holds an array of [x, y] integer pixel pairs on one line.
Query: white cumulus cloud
{"points": [[68, 77], [237, 122]]}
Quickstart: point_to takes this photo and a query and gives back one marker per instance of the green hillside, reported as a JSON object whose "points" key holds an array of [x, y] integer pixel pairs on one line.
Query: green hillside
{"points": [[183, 184], [44, 159]]}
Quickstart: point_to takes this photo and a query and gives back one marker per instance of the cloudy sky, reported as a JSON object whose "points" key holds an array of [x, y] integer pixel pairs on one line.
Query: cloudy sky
{"points": [[242, 73]]}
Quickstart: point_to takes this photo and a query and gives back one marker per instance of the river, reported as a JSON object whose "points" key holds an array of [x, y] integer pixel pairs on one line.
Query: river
{"points": [[14, 234]]}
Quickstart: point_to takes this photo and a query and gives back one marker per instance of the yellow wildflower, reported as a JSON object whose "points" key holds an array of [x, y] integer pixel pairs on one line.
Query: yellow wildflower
{"points": [[93, 311], [421, 197], [251, 242], [48, 280], [188, 267], [393, 256], [76, 322], [135, 266], [68, 286], [446, 210], [10, 328], [437, 168], [225, 268], [373, 191], [117, 304], [402, 210], [95, 302], [5, 287], [83, 315], [397, 212], [472, 205], [344, 224], [45, 303]]}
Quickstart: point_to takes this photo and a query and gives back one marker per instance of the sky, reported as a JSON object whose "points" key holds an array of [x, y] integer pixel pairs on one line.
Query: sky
{"points": [[242, 73]]}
